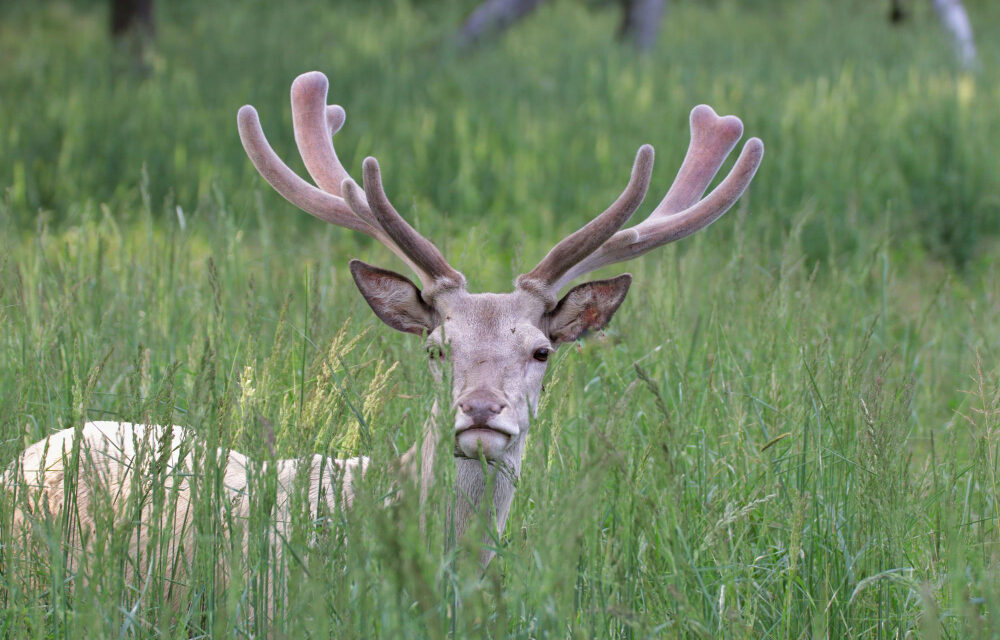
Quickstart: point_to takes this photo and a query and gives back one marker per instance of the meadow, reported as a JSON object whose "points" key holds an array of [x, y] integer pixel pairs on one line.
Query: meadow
{"points": [[789, 430]]}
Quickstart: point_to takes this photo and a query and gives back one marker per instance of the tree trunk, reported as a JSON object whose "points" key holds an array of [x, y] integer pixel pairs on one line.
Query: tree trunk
{"points": [[132, 29], [897, 11], [131, 15], [492, 17], [641, 22], [956, 21]]}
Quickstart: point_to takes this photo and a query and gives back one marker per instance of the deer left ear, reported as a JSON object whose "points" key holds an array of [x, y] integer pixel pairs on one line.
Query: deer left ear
{"points": [[394, 299], [586, 307]]}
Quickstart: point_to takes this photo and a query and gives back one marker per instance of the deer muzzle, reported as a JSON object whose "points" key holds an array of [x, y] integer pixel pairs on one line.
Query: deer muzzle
{"points": [[483, 423]]}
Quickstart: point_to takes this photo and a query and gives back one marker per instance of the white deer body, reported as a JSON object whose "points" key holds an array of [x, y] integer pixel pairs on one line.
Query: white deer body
{"points": [[496, 345], [116, 459]]}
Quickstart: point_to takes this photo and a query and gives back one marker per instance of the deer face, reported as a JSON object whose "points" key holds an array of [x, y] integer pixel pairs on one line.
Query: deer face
{"points": [[497, 346]]}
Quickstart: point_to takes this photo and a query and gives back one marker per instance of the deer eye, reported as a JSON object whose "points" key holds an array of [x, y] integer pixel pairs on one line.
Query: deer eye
{"points": [[541, 354], [435, 352]]}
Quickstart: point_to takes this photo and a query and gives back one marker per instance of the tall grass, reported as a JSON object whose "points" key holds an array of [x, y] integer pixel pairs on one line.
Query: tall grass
{"points": [[789, 430]]}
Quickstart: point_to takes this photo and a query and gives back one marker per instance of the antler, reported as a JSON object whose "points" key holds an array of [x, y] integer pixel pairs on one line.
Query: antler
{"points": [[681, 212], [339, 200], [578, 245]]}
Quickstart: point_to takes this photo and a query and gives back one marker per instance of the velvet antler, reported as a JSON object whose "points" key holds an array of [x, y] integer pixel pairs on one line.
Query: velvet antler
{"points": [[681, 212], [337, 199]]}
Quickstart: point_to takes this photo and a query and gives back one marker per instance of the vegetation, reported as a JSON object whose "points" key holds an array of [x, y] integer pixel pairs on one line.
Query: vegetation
{"points": [[789, 430]]}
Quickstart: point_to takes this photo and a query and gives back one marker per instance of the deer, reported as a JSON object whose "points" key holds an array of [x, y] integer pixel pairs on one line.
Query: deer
{"points": [[497, 345]]}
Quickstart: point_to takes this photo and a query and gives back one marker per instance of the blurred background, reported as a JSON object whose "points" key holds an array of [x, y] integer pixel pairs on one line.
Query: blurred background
{"points": [[868, 118], [790, 429]]}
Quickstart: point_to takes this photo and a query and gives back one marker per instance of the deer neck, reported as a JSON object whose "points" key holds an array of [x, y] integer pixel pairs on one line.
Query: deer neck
{"points": [[473, 480], [486, 492]]}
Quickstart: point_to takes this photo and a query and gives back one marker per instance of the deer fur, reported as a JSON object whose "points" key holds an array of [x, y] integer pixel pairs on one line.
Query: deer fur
{"points": [[110, 461]]}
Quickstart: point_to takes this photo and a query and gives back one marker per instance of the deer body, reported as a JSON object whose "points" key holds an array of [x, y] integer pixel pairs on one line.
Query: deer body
{"points": [[495, 344], [117, 459]]}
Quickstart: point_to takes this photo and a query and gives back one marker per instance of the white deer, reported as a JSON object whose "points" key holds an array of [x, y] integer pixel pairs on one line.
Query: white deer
{"points": [[497, 343]]}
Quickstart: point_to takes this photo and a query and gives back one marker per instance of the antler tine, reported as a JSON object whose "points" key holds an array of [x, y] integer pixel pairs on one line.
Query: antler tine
{"points": [[417, 248], [323, 205], [312, 122], [712, 139], [661, 228], [584, 241]]}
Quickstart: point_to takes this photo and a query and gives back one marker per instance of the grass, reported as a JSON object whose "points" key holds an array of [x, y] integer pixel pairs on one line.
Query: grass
{"points": [[789, 430]]}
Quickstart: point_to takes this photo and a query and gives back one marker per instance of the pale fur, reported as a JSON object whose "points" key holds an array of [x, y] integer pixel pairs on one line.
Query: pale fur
{"points": [[117, 458]]}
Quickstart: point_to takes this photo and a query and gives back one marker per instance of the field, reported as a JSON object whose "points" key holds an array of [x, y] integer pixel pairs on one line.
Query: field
{"points": [[789, 430]]}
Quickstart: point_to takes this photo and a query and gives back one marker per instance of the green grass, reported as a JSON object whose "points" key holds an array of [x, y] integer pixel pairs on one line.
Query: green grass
{"points": [[789, 429]]}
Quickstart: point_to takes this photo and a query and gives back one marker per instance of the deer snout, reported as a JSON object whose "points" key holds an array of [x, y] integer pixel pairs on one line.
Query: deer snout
{"points": [[481, 426], [481, 407]]}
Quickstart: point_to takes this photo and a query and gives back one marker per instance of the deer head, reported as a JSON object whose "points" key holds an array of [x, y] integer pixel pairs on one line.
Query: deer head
{"points": [[498, 344]]}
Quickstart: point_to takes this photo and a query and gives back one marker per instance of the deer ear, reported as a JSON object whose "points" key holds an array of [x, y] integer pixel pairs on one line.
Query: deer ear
{"points": [[394, 299], [586, 307]]}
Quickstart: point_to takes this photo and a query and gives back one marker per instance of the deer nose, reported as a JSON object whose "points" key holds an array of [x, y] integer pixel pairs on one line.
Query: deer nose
{"points": [[481, 407]]}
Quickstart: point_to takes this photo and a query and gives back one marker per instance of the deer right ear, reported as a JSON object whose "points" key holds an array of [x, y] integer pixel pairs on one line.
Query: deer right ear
{"points": [[587, 307], [394, 299]]}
